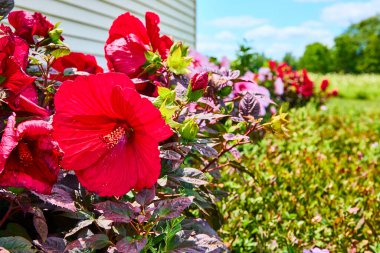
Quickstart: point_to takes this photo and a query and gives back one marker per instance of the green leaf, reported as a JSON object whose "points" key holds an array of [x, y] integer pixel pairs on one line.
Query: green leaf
{"points": [[193, 96], [2, 79], [60, 52], [178, 61], [152, 64], [225, 91], [165, 96], [189, 129], [16, 244]]}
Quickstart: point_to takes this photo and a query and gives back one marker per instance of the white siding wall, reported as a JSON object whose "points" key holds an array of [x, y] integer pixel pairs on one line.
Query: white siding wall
{"points": [[86, 22]]}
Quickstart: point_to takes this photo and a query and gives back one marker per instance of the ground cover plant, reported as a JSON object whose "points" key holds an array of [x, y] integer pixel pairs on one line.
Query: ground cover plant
{"points": [[318, 189]]}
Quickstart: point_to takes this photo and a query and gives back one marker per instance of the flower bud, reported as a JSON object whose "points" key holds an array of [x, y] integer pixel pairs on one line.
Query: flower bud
{"points": [[189, 129], [324, 84], [199, 81]]}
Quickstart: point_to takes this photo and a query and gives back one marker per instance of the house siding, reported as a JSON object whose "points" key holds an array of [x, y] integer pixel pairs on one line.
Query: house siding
{"points": [[86, 22]]}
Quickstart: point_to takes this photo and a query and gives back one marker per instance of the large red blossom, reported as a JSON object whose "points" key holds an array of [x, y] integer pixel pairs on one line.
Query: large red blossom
{"points": [[28, 24], [29, 157], [109, 133], [128, 41], [78, 61], [12, 45], [21, 93]]}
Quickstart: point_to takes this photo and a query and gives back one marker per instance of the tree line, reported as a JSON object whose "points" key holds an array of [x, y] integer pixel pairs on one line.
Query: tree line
{"points": [[357, 50]]}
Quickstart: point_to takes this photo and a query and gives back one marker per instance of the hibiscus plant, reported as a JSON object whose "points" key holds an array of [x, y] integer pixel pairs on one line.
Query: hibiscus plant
{"points": [[122, 161]]}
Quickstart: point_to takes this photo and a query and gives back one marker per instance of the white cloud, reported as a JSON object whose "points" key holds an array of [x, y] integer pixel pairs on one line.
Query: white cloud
{"points": [[289, 32], [212, 46], [237, 21], [347, 13], [225, 35], [276, 41]]}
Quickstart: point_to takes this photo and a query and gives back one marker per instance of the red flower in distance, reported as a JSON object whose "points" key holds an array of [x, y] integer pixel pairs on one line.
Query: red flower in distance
{"points": [[78, 61], [29, 157], [109, 133], [306, 88], [27, 25], [128, 41], [324, 84]]}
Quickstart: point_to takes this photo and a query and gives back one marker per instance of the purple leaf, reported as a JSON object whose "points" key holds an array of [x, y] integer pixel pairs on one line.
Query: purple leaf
{"points": [[116, 211], [205, 150], [209, 116], [193, 176], [236, 154], [79, 226], [146, 196], [5, 7], [39, 222], [131, 246], [59, 197], [172, 208], [170, 155], [97, 241], [200, 233], [249, 105], [234, 137], [54, 244]]}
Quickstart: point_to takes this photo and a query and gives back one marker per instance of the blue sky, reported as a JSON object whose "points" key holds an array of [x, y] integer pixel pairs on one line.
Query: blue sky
{"points": [[275, 26]]}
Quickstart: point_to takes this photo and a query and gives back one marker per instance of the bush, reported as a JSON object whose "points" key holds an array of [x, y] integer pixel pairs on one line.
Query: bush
{"points": [[317, 188]]}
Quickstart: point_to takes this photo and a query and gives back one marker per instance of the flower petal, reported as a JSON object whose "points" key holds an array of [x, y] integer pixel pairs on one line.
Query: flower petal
{"points": [[125, 25], [9, 141]]}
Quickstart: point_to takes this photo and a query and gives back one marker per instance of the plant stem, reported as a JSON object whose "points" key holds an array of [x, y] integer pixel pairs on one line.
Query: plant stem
{"points": [[6, 215]]}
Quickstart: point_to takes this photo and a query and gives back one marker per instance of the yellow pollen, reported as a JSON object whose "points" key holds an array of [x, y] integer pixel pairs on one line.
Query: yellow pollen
{"points": [[113, 138]]}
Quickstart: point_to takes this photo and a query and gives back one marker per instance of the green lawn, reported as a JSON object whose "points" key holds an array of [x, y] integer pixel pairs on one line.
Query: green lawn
{"points": [[319, 187]]}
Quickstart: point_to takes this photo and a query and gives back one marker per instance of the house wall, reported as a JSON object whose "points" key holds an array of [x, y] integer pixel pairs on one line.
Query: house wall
{"points": [[86, 22]]}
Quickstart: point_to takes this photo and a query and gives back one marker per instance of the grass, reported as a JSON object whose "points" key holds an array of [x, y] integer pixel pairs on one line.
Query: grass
{"points": [[319, 187], [361, 87]]}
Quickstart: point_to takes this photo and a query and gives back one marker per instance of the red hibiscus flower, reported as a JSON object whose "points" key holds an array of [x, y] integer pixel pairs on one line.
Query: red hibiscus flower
{"points": [[12, 45], [12, 77], [78, 61], [29, 156], [109, 133], [128, 41], [21, 93], [28, 25]]}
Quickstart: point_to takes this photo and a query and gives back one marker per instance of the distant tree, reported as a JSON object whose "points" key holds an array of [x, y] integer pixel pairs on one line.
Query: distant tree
{"points": [[290, 59], [370, 62], [316, 58], [357, 49], [248, 60], [346, 54]]}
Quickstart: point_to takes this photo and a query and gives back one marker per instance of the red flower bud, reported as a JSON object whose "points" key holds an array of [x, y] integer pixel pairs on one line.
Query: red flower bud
{"points": [[199, 81], [324, 84], [334, 92]]}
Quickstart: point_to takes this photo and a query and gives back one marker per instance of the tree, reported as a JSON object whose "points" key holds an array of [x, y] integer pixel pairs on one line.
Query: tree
{"points": [[248, 60], [316, 58], [357, 49], [290, 59]]}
